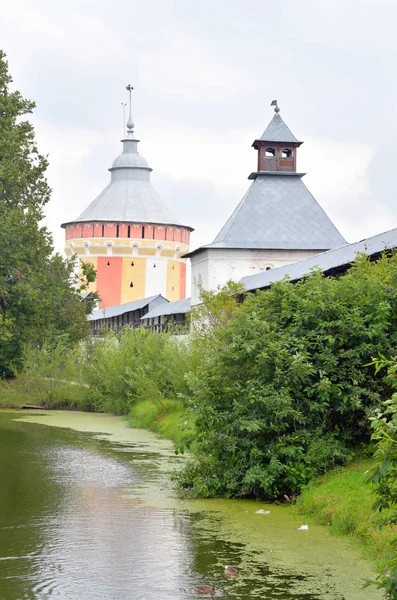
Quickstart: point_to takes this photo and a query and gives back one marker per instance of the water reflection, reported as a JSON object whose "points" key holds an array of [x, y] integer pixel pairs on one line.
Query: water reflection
{"points": [[73, 524]]}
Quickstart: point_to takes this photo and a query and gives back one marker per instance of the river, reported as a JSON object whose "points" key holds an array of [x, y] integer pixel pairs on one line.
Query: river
{"points": [[87, 512]]}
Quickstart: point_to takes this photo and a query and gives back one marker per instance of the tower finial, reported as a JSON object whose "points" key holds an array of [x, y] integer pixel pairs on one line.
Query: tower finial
{"points": [[130, 122], [276, 108]]}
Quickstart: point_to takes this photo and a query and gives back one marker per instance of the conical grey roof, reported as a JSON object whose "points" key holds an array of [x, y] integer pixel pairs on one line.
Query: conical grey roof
{"points": [[277, 131], [130, 196], [278, 212]]}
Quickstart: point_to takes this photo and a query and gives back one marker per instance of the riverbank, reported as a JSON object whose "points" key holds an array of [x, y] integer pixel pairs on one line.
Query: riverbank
{"points": [[342, 501], [167, 418], [18, 391], [52, 394]]}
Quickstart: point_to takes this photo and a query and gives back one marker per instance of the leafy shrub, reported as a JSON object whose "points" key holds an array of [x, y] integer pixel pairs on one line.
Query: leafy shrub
{"points": [[55, 367], [283, 395], [137, 364], [384, 473], [167, 419]]}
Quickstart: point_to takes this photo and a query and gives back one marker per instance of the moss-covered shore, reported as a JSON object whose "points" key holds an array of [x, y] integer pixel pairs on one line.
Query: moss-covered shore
{"points": [[27, 390], [168, 419], [342, 501]]}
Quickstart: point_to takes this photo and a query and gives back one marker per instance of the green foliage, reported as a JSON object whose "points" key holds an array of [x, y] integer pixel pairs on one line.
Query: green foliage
{"points": [[88, 275], [136, 368], [37, 298], [137, 364], [56, 369], [167, 419], [342, 501], [216, 309], [283, 395], [15, 392], [383, 475]]}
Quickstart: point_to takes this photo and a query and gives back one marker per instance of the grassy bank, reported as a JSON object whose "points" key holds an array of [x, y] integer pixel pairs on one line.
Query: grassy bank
{"points": [[167, 419], [342, 501], [18, 391], [40, 392]]}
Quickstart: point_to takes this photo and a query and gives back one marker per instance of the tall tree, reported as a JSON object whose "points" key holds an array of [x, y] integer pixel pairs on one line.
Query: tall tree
{"points": [[37, 298]]}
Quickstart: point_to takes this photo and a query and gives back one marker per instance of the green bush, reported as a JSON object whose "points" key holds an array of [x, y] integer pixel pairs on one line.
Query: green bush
{"points": [[137, 364], [383, 475], [283, 396], [114, 373], [167, 419], [55, 367]]}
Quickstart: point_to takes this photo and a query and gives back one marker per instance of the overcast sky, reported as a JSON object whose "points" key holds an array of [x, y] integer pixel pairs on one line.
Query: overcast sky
{"points": [[204, 75]]}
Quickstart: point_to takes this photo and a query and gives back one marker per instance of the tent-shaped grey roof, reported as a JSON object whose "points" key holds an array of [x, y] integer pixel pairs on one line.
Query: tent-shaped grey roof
{"points": [[329, 261], [121, 309], [277, 131], [128, 200], [278, 212], [130, 196], [172, 308]]}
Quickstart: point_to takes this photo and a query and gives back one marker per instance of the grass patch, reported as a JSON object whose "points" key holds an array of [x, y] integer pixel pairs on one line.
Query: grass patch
{"points": [[21, 390], [26, 389], [342, 501], [168, 419]]}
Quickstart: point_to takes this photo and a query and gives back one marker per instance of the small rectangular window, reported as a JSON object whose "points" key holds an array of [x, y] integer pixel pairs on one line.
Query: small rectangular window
{"points": [[129, 231], [154, 232], [143, 232], [93, 231], [117, 230], [103, 230]]}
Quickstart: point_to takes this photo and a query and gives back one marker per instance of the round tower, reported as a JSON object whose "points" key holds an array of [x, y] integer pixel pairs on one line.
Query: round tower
{"points": [[129, 235]]}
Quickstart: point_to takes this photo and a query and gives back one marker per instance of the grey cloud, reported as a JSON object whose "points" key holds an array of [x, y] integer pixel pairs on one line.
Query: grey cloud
{"points": [[198, 203], [214, 65]]}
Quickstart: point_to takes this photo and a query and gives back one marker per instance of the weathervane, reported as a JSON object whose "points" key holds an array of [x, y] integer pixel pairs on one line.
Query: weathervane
{"points": [[130, 122], [276, 108]]}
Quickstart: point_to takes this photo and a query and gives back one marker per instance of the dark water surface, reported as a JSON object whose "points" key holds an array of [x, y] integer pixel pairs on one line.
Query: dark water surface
{"points": [[87, 512]]}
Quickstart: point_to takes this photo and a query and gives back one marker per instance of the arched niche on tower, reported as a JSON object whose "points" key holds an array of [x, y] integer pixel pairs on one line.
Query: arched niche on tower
{"points": [[109, 247], [134, 249]]}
